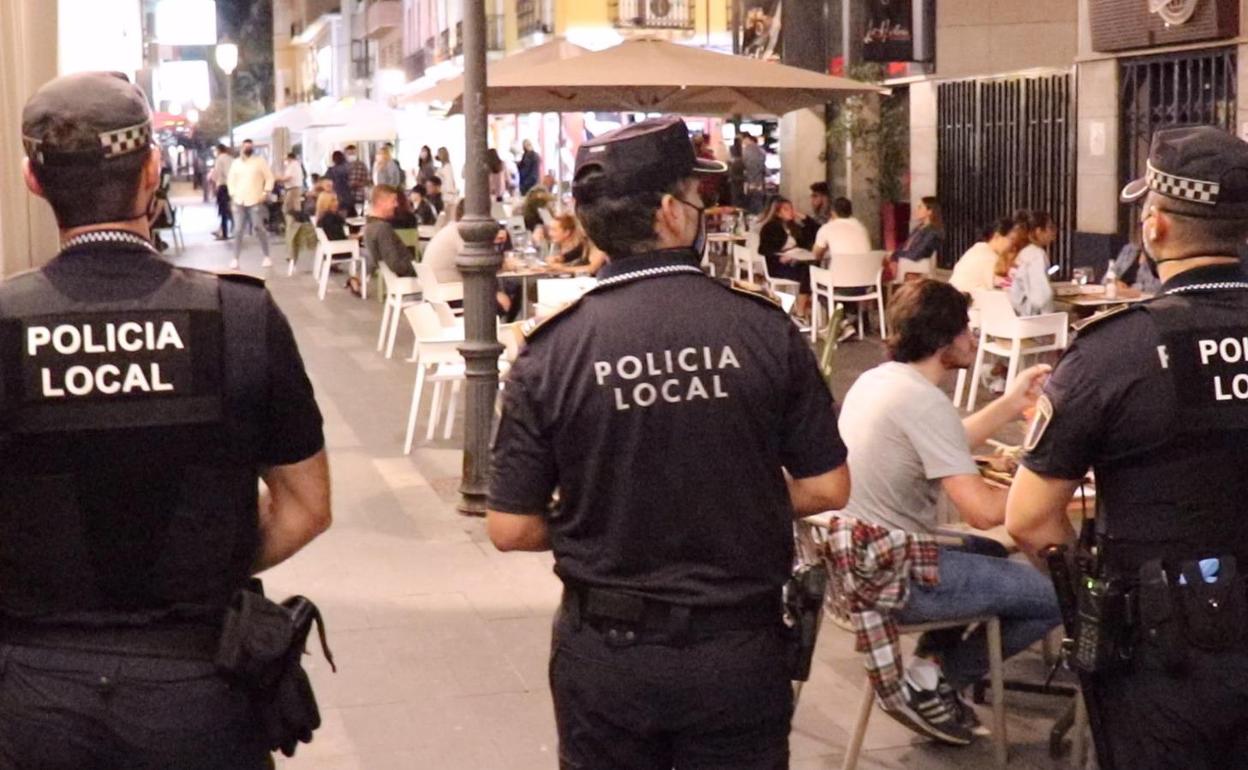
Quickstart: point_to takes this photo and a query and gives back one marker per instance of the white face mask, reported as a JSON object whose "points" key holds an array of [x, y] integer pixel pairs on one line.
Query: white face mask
{"points": [[351, 157]]}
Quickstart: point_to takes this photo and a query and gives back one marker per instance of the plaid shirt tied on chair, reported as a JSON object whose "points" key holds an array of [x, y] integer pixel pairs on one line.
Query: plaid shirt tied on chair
{"points": [[874, 567]]}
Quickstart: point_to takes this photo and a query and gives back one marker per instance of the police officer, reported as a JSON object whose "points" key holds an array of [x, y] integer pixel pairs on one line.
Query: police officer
{"points": [[139, 405], [684, 424], [1154, 398]]}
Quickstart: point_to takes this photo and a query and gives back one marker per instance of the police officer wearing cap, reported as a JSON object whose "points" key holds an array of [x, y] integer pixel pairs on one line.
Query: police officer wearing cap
{"points": [[684, 424], [1154, 398], [139, 405]]}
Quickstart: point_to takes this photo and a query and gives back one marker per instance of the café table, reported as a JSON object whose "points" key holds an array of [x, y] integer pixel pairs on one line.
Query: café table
{"points": [[1086, 300], [528, 270]]}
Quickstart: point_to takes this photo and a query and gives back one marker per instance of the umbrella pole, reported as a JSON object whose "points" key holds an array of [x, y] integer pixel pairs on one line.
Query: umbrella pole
{"points": [[478, 262], [559, 163]]}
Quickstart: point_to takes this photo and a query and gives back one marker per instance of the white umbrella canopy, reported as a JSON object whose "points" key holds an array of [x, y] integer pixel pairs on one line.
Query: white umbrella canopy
{"points": [[649, 75], [452, 89]]}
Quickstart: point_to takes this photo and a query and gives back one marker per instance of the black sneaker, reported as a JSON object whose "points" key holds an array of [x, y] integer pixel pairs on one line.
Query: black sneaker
{"points": [[929, 715], [965, 713]]}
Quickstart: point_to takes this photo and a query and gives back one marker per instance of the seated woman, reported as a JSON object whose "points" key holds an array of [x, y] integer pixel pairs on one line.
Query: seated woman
{"points": [[329, 218], [572, 251], [1030, 291], [404, 215], [786, 244], [1134, 268]]}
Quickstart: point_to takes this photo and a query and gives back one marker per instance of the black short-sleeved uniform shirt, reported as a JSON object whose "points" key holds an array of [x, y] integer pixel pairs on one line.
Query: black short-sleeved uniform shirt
{"points": [[663, 407], [1123, 400], [292, 429]]}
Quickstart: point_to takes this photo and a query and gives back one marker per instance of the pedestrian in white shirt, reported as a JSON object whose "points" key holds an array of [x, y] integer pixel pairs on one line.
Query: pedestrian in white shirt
{"points": [[251, 181], [220, 178], [293, 173]]}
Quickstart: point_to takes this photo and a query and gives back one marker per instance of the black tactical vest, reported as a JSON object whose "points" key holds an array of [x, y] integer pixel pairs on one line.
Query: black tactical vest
{"points": [[1189, 498], [127, 485]]}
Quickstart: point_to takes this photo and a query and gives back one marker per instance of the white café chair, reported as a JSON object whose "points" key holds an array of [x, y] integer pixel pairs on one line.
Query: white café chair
{"points": [[554, 293], [328, 252], [438, 361], [859, 271], [751, 266], [909, 267], [435, 291], [820, 289], [1004, 334], [398, 292]]}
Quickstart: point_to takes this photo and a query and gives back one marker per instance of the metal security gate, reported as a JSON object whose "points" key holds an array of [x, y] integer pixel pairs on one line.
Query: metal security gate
{"points": [[1189, 88], [1004, 144]]}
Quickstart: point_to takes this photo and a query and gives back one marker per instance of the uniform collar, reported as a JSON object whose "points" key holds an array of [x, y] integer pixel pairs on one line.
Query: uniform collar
{"points": [[657, 260], [1206, 275]]}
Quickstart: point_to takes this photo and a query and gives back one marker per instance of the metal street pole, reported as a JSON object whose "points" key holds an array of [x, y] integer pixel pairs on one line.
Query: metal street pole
{"points": [[229, 104], [478, 262]]}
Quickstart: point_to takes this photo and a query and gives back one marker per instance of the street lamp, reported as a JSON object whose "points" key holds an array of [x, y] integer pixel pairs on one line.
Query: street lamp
{"points": [[227, 60]]}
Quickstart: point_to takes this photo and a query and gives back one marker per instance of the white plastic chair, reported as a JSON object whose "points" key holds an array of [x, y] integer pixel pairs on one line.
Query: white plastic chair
{"points": [[820, 288], [398, 293], [437, 361], [1003, 333], [859, 271], [435, 291], [328, 252], [752, 266], [909, 267]]}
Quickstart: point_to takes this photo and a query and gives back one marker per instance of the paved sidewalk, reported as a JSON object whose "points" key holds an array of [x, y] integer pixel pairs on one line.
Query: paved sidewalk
{"points": [[441, 641]]}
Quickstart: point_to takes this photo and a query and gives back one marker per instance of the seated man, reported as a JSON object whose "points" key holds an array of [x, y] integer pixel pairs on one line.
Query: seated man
{"points": [[433, 194], [422, 208], [380, 239], [907, 444], [986, 263]]}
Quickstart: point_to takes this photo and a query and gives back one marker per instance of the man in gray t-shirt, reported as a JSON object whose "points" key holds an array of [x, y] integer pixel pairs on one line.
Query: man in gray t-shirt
{"points": [[907, 444]]}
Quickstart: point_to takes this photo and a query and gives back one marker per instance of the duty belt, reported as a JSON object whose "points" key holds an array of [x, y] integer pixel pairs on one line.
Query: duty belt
{"points": [[182, 641], [601, 608]]}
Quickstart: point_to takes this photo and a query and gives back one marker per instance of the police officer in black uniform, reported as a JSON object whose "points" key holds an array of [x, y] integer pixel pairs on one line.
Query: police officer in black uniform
{"points": [[684, 424], [139, 405], [1154, 398]]}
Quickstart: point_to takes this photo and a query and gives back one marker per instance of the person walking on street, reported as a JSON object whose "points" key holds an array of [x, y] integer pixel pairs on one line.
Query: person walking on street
{"points": [[1150, 398], [530, 167], [386, 170], [131, 523], [293, 174], [682, 449], [359, 178], [754, 168], [221, 179], [251, 181]]}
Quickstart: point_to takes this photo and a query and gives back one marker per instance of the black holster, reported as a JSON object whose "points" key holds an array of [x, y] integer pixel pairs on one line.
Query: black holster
{"points": [[261, 646], [803, 609]]}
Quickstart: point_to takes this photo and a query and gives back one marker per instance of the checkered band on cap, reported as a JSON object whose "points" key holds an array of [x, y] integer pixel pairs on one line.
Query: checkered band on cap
{"points": [[1194, 190], [124, 141]]}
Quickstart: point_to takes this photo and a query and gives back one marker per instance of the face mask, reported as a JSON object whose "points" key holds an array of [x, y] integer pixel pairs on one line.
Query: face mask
{"points": [[351, 157], [699, 240], [247, 152]]}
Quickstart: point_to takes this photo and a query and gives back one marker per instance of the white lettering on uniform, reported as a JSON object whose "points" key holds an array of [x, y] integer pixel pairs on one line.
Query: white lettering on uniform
{"points": [[633, 363], [728, 358], [649, 376], [37, 337], [1164, 356], [169, 337], [1239, 388], [680, 358], [668, 395], [696, 389], [135, 380], [128, 337], [48, 390], [1207, 349], [645, 394], [601, 370], [79, 381], [64, 346], [1231, 351], [106, 379]]}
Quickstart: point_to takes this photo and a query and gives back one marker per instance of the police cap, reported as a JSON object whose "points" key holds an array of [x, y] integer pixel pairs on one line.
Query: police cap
{"points": [[85, 119], [642, 157], [1201, 170]]}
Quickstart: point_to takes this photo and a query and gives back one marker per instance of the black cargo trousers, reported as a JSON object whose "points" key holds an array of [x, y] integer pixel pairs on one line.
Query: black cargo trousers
{"points": [[719, 702], [70, 710]]}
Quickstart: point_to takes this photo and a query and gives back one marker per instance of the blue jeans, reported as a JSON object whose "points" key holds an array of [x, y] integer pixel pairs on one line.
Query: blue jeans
{"points": [[974, 584], [257, 217]]}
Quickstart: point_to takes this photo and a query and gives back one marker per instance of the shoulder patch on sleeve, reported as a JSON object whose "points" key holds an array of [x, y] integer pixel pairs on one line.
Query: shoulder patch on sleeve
{"points": [[531, 327], [1039, 423], [754, 291], [1102, 317]]}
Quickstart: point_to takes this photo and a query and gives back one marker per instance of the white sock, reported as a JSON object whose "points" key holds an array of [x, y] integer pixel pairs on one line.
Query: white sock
{"points": [[923, 674]]}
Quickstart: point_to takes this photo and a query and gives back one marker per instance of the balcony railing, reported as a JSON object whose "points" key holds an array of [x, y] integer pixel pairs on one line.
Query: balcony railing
{"points": [[414, 66], [495, 37], [531, 18], [653, 14]]}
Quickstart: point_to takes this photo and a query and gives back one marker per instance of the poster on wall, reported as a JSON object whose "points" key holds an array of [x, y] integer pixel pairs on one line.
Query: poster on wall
{"points": [[760, 29], [898, 30]]}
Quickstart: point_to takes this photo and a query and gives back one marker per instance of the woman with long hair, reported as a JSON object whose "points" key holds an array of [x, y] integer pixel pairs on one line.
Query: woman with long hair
{"points": [[498, 174], [572, 249], [786, 245], [425, 167], [446, 172], [928, 235], [329, 218], [1030, 291]]}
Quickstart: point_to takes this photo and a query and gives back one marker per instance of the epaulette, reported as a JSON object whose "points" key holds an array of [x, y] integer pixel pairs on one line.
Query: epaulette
{"points": [[1100, 318], [531, 327], [752, 290], [240, 277]]}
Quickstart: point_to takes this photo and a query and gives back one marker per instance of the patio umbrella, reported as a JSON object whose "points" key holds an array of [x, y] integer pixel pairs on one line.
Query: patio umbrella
{"points": [[649, 75], [451, 89]]}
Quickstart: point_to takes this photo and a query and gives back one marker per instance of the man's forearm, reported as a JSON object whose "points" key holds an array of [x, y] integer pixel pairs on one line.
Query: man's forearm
{"points": [[982, 425]]}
